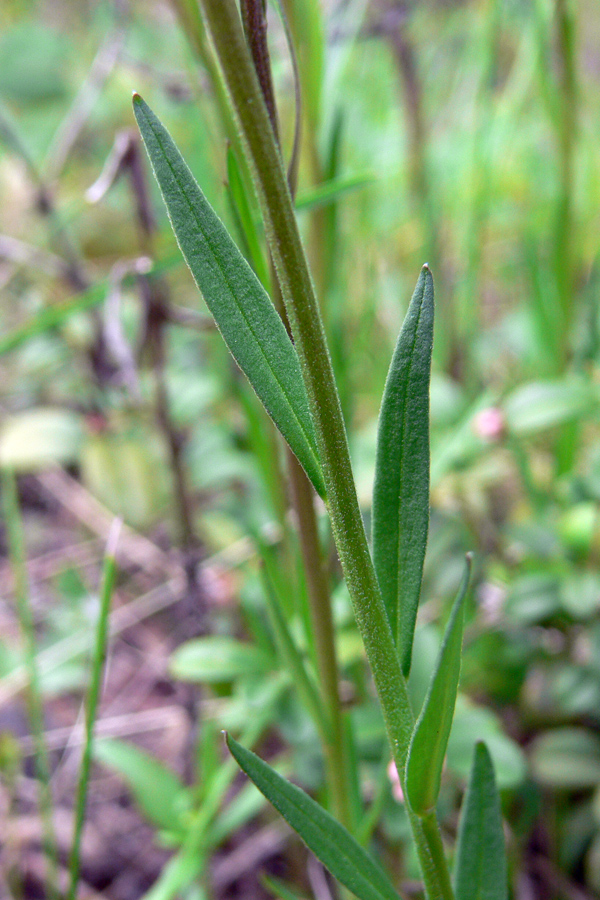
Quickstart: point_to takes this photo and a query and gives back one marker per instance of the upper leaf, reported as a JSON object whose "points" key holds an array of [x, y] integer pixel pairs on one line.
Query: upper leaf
{"points": [[401, 491], [480, 871], [328, 840], [432, 730], [244, 314]]}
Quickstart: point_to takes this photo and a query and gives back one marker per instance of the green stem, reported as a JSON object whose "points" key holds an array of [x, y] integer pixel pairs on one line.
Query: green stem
{"points": [[108, 582], [322, 626], [319, 597], [16, 552], [431, 831], [446, 349], [564, 237], [566, 133], [190, 860], [303, 310]]}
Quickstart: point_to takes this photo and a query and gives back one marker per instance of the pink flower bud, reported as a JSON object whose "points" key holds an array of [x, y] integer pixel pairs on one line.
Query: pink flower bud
{"points": [[489, 423]]}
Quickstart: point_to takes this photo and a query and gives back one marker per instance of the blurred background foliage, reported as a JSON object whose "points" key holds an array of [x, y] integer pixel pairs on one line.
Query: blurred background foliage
{"points": [[464, 132]]}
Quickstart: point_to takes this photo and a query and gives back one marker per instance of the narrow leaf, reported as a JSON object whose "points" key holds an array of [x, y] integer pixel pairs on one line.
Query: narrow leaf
{"points": [[293, 659], [158, 792], [401, 491], [480, 872], [328, 840], [245, 219], [244, 314], [432, 730]]}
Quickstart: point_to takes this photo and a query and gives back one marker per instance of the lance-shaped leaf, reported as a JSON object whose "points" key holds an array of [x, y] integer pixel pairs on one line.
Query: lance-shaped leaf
{"points": [[328, 840], [432, 730], [401, 491], [244, 314], [480, 871]]}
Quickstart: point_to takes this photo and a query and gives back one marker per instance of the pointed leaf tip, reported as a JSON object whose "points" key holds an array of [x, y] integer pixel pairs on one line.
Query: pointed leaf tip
{"points": [[243, 311], [401, 490], [480, 870], [329, 841], [430, 736]]}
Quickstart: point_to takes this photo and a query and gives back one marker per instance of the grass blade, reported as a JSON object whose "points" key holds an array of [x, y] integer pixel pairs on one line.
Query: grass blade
{"points": [[190, 859], [432, 730], [159, 794], [16, 553], [108, 582], [242, 309], [480, 872], [401, 491], [245, 219], [328, 840], [293, 660]]}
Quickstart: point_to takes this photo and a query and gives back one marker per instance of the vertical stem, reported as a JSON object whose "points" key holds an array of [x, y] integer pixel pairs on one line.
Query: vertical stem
{"points": [[564, 238], [106, 591], [302, 492], [567, 124], [194, 28], [396, 32], [434, 840], [322, 626], [480, 176], [303, 310], [16, 551]]}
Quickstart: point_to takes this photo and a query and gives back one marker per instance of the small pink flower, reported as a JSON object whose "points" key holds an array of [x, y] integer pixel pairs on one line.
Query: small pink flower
{"points": [[396, 786], [489, 423]]}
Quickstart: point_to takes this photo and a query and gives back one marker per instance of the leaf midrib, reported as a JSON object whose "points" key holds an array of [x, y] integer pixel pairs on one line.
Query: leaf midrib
{"points": [[403, 461], [311, 446]]}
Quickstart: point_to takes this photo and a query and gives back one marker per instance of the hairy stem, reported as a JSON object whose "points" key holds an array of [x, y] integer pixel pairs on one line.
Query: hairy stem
{"points": [[302, 493], [303, 310]]}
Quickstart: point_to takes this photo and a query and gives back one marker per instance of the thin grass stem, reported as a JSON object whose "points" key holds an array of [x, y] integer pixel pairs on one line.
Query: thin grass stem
{"points": [[106, 592], [16, 552]]}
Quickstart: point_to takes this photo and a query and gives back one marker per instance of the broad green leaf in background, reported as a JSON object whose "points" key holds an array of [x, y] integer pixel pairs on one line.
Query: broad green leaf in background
{"points": [[541, 405], [480, 871], [328, 840], [473, 723], [432, 730], [401, 491], [214, 659], [566, 758], [158, 792], [244, 314], [36, 439]]}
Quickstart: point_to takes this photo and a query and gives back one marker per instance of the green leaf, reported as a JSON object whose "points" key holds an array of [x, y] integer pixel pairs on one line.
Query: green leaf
{"points": [[541, 405], [244, 314], [432, 730], [473, 723], [245, 219], [292, 658], [40, 438], [566, 758], [328, 840], [158, 792], [401, 491], [215, 659], [480, 871], [278, 889]]}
